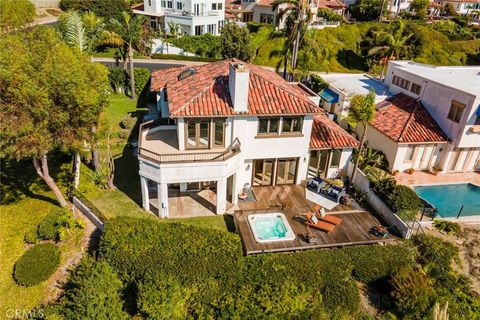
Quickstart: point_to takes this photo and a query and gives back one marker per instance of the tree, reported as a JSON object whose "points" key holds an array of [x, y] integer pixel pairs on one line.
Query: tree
{"points": [[235, 42], [297, 14], [175, 29], [391, 43], [15, 14], [106, 9], [328, 14], [420, 8], [366, 10], [130, 31], [361, 111], [58, 102], [449, 10], [94, 292]]}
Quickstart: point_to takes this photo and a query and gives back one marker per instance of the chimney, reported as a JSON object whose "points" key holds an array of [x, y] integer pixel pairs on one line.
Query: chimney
{"points": [[238, 80]]}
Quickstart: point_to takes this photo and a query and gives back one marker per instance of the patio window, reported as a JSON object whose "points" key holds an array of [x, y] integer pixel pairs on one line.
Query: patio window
{"points": [[197, 135], [336, 155], [179, 6], [416, 88], [219, 133], [268, 125], [170, 4], [292, 125], [409, 154], [456, 111]]}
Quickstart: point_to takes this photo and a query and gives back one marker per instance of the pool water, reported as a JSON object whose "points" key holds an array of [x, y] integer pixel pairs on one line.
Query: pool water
{"points": [[270, 227], [448, 199]]}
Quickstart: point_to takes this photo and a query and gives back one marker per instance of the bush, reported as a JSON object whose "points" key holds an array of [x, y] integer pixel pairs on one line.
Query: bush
{"points": [[403, 198], [447, 226], [37, 264], [47, 229], [128, 122], [103, 8], [206, 45], [117, 76], [235, 42], [435, 253], [413, 294], [94, 292], [31, 236], [142, 76]]}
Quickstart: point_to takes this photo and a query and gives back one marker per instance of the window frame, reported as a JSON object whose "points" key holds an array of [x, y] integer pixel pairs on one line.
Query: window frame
{"points": [[269, 123], [455, 113], [179, 5], [332, 155], [417, 90], [292, 130], [409, 155]]}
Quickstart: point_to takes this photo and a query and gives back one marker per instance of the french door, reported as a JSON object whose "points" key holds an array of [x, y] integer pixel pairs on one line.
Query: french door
{"points": [[267, 172], [286, 171], [197, 135], [262, 172], [317, 165]]}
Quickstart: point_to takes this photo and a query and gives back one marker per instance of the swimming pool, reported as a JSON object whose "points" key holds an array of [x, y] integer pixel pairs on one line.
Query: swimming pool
{"points": [[448, 199], [270, 227]]}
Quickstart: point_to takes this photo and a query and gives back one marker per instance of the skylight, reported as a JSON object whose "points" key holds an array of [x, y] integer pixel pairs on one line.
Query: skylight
{"points": [[186, 73]]}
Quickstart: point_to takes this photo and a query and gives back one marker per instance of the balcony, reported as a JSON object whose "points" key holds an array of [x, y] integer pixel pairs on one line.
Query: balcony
{"points": [[182, 13], [159, 144]]}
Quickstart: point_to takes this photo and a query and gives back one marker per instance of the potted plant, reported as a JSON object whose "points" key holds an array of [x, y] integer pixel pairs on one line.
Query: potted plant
{"points": [[394, 172], [436, 169], [410, 171]]}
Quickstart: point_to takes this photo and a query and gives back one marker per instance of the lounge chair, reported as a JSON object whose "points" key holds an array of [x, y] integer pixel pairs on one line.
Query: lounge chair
{"points": [[316, 185], [321, 215], [313, 222], [336, 193]]}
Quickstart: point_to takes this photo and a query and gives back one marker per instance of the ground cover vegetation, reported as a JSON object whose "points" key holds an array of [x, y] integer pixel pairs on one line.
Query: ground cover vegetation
{"points": [[174, 271]]}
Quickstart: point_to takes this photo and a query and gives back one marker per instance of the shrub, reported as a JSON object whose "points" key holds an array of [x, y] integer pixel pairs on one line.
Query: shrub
{"points": [[206, 45], [142, 76], [103, 8], [47, 229], [447, 226], [318, 84], [403, 198], [181, 57], [413, 294], [372, 263], [31, 236], [128, 122], [435, 253], [95, 292], [37, 264], [235, 42], [117, 76]]}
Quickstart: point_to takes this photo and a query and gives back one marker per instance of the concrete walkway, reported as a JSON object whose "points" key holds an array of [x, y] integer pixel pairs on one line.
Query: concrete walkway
{"points": [[426, 178]]}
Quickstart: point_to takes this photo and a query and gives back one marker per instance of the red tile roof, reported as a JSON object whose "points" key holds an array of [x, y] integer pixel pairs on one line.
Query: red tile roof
{"points": [[326, 134], [206, 92], [405, 120], [265, 3], [336, 4]]}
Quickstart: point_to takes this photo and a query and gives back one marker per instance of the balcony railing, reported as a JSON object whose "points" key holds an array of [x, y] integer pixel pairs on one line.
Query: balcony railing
{"points": [[213, 156]]}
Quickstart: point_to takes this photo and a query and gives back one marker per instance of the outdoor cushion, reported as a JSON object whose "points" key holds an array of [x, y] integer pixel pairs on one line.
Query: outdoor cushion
{"points": [[314, 219]]}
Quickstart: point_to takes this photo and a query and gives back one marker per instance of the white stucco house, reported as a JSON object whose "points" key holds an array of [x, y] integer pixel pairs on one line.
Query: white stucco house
{"points": [[433, 119], [194, 17], [229, 124], [463, 6]]}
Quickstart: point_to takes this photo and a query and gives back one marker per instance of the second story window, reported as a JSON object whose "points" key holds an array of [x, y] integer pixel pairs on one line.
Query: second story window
{"points": [[164, 4], [149, 3], [214, 6], [280, 126], [170, 4], [179, 6], [456, 111], [292, 125], [416, 88], [268, 125], [400, 82]]}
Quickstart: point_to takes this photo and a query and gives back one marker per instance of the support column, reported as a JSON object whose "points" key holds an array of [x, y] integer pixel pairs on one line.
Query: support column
{"points": [[221, 196], [235, 191], [163, 200], [183, 187], [145, 196]]}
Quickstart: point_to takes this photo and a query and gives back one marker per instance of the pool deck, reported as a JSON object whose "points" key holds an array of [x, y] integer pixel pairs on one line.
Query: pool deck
{"points": [[419, 178], [354, 229]]}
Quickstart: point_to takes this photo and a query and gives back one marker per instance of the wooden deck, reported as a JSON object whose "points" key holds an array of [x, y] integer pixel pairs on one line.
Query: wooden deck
{"points": [[354, 229]]}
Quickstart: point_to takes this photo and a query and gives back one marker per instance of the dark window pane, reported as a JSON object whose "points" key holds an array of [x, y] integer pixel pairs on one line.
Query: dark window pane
{"points": [[273, 125], [336, 153], [297, 125], [287, 125], [219, 132], [263, 126]]}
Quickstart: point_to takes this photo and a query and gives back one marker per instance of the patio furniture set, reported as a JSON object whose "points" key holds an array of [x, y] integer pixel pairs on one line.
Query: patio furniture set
{"points": [[330, 191]]}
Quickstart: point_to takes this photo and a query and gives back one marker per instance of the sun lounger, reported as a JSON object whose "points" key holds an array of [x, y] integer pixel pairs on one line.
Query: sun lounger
{"points": [[320, 213], [313, 222]]}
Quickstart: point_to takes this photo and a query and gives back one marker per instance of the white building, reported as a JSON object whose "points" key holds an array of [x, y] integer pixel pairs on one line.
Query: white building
{"points": [[194, 17], [397, 6], [463, 6], [433, 119], [229, 124]]}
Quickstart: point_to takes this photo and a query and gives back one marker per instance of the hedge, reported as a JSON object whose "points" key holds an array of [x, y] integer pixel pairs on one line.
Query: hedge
{"points": [[47, 229], [181, 57], [37, 264]]}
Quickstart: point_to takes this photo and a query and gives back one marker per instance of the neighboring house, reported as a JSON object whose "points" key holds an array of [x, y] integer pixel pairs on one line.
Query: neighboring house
{"points": [[343, 86], [451, 98], [227, 125], [194, 17], [434, 9], [406, 133], [463, 6], [337, 6], [397, 6]]}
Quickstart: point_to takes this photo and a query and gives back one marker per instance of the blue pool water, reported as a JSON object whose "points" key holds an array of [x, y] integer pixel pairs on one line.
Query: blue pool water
{"points": [[268, 228], [448, 199]]}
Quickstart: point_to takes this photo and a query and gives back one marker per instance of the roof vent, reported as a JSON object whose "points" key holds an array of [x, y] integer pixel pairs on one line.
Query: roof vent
{"points": [[186, 73]]}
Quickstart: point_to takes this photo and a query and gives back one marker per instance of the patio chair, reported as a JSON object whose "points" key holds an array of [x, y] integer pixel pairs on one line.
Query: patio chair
{"points": [[336, 193], [316, 185], [322, 215], [313, 222]]}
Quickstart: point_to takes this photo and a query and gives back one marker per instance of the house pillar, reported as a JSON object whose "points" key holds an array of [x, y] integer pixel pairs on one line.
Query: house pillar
{"points": [[235, 191], [221, 196], [183, 187], [145, 195], [162, 189]]}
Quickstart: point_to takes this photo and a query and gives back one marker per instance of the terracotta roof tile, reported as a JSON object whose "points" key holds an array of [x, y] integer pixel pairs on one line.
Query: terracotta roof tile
{"points": [[326, 134], [206, 92], [336, 4], [405, 120]]}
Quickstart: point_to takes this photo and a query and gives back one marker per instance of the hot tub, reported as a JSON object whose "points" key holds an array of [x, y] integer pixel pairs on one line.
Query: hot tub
{"points": [[270, 227]]}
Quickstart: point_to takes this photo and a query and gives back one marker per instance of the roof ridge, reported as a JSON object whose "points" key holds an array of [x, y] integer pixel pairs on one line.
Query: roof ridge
{"points": [[409, 120]]}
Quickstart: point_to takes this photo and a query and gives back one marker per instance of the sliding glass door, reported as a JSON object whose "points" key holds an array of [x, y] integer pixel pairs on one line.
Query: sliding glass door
{"points": [[317, 165], [286, 171], [262, 172], [197, 135]]}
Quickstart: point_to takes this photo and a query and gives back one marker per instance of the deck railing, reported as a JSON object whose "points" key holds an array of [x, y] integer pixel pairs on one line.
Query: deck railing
{"points": [[231, 151]]}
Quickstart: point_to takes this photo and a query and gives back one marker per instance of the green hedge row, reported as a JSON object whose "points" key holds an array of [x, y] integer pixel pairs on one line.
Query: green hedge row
{"points": [[37, 264], [181, 57], [182, 271]]}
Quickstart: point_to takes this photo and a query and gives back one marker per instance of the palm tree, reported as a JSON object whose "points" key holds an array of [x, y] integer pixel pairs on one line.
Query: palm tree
{"points": [[391, 43], [297, 13], [71, 30], [175, 29], [130, 31], [361, 111]]}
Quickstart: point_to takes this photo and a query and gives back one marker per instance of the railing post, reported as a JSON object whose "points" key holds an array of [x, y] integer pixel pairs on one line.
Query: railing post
{"points": [[460, 212]]}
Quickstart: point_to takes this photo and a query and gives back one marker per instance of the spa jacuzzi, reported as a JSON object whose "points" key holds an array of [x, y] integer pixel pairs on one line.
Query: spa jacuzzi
{"points": [[270, 227]]}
